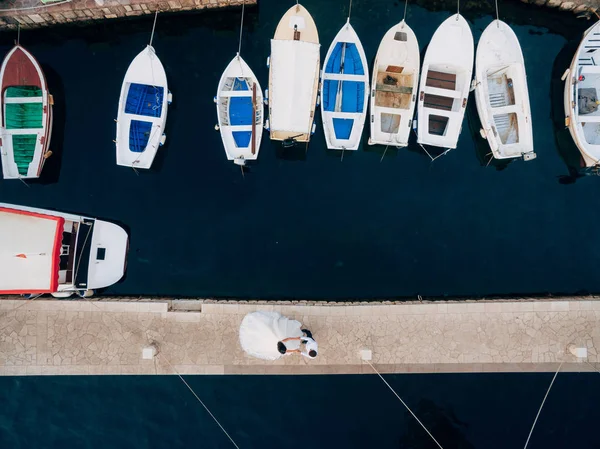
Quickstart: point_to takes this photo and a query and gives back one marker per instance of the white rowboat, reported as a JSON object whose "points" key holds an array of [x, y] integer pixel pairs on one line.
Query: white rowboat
{"points": [[501, 93], [240, 112], [581, 97], [445, 83], [344, 90], [394, 87], [142, 112]]}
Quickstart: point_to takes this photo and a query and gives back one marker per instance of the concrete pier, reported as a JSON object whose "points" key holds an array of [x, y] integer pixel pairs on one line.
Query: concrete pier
{"points": [[77, 337]]}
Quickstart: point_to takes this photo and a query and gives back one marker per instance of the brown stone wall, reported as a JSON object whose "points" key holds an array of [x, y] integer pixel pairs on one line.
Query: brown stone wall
{"points": [[82, 11]]}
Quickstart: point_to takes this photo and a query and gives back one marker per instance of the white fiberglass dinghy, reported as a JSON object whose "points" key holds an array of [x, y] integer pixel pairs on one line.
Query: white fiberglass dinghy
{"points": [[344, 90], [394, 87], [293, 77], [43, 251], [581, 98], [240, 112], [142, 111], [501, 93], [445, 82]]}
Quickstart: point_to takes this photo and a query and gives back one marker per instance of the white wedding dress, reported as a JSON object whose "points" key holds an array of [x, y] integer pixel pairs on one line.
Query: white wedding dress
{"points": [[261, 331]]}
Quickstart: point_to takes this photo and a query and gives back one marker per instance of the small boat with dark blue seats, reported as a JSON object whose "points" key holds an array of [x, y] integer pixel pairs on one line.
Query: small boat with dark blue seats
{"points": [[142, 112]]}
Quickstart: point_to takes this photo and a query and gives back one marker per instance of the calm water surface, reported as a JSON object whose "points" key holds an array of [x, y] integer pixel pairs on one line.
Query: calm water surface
{"points": [[491, 411], [313, 226]]}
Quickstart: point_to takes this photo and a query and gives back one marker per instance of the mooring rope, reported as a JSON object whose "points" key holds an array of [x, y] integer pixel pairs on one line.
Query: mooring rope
{"points": [[457, 9], [405, 8], [200, 401], [153, 26], [497, 15], [540, 410], [404, 403], [349, 10], [241, 28]]}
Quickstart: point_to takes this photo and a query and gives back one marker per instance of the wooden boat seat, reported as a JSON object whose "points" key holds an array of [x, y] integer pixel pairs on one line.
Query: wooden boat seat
{"points": [[441, 80], [394, 90], [438, 102]]}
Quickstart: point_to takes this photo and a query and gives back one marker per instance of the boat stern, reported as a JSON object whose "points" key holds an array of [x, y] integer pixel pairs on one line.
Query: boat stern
{"points": [[108, 255]]}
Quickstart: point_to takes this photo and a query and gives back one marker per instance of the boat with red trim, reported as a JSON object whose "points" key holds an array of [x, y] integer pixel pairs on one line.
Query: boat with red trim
{"points": [[26, 116], [43, 251]]}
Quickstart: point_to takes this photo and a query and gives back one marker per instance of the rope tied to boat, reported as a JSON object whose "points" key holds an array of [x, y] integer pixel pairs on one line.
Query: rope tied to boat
{"points": [[241, 28], [497, 15], [457, 9], [405, 8]]}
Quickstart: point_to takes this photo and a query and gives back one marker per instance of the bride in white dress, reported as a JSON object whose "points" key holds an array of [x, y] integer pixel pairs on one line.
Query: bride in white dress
{"points": [[261, 332]]}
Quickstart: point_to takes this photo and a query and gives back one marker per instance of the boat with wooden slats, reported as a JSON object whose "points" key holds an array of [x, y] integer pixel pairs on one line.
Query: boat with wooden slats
{"points": [[26, 116], [501, 93], [445, 82], [394, 87], [582, 98]]}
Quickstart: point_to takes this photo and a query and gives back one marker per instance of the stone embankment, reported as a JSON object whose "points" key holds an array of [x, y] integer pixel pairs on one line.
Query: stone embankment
{"points": [[35, 14], [576, 6]]}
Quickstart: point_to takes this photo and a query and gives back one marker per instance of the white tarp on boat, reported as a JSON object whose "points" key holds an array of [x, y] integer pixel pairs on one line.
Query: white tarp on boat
{"points": [[294, 69], [29, 251], [261, 331]]}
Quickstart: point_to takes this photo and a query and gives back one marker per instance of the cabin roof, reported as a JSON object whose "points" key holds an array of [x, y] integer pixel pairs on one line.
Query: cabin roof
{"points": [[29, 251]]}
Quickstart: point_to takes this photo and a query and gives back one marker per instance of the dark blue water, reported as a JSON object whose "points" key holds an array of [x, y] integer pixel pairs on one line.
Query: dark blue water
{"points": [[313, 226], [492, 411]]}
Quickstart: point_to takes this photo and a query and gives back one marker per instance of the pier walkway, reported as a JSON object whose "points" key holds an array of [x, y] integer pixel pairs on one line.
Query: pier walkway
{"points": [[77, 337]]}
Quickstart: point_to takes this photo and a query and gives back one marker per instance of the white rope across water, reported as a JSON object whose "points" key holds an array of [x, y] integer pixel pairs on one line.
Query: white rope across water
{"points": [[153, 26], [540, 410], [497, 14], [200, 401], [404, 403]]}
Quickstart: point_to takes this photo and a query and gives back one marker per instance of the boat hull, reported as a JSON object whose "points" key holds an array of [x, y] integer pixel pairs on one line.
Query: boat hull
{"points": [[344, 91], [394, 87], [293, 77], [95, 257], [584, 123], [142, 114], [501, 93], [240, 112], [445, 83], [26, 116]]}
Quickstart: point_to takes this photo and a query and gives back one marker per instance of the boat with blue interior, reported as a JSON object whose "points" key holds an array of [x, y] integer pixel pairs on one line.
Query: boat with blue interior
{"points": [[344, 90], [142, 112], [26, 112], [240, 112]]}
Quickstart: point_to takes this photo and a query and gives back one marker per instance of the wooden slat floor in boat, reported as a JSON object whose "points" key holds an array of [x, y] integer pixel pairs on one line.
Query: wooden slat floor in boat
{"points": [[441, 80], [438, 102], [394, 90]]}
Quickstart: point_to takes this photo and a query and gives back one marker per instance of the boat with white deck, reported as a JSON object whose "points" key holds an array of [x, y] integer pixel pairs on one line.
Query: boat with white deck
{"points": [[445, 83], [293, 77], [501, 93], [344, 90], [43, 251], [582, 100], [394, 87]]}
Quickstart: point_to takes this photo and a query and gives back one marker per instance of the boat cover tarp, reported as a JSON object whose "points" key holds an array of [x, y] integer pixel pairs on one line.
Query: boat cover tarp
{"points": [[23, 151], [23, 91], [242, 138], [143, 99], [261, 331], [139, 134], [24, 115], [342, 127], [294, 72], [352, 62], [30, 251], [240, 111]]}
